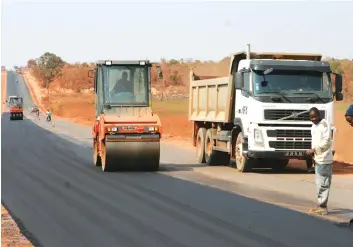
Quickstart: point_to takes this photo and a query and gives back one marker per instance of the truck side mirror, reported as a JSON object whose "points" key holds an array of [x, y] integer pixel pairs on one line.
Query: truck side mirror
{"points": [[238, 80], [91, 73], [338, 83], [339, 96]]}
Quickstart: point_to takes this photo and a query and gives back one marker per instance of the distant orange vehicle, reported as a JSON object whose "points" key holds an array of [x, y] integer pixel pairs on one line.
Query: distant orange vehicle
{"points": [[15, 107], [126, 133]]}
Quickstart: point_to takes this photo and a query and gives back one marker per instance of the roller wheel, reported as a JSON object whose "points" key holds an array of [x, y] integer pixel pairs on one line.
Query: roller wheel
{"points": [[214, 157], [200, 145], [243, 163], [105, 165], [152, 167], [96, 158]]}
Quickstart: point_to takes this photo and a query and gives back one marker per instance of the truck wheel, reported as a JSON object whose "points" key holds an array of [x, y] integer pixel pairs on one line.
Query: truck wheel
{"points": [[96, 158], [200, 145], [213, 157], [21, 117], [11, 117], [243, 163], [105, 166]]}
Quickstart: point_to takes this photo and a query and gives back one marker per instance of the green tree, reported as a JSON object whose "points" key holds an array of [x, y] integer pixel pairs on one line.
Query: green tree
{"points": [[335, 66], [173, 62], [50, 66], [31, 63]]}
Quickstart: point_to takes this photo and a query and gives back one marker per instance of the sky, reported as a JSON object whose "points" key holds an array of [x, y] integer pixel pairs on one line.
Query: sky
{"points": [[90, 30]]}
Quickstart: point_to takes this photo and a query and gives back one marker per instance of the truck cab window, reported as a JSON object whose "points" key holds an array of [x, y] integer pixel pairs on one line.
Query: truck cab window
{"points": [[293, 81]]}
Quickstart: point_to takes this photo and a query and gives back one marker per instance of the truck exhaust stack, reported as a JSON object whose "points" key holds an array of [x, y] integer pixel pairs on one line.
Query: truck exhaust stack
{"points": [[248, 51]]}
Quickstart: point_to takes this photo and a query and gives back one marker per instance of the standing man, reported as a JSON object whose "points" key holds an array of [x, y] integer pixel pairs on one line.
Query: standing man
{"points": [[323, 157], [349, 118]]}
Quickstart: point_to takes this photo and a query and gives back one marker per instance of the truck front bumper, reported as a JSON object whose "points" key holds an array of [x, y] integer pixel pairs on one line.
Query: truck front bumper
{"points": [[292, 154]]}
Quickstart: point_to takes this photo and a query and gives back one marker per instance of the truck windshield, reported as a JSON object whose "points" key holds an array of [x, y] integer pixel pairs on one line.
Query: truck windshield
{"points": [[126, 85], [293, 81], [16, 101]]}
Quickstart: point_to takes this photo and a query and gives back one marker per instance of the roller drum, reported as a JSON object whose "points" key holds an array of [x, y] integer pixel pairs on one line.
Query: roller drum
{"points": [[133, 155]]}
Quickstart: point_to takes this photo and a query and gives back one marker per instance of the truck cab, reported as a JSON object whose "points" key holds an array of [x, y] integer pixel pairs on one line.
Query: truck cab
{"points": [[266, 101], [273, 95]]}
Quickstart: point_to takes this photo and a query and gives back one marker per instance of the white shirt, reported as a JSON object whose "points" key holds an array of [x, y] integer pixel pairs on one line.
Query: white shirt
{"points": [[322, 143]]}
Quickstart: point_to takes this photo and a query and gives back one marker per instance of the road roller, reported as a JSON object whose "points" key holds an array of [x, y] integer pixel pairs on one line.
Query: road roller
{"points": [[15, 107], [126, 133]]}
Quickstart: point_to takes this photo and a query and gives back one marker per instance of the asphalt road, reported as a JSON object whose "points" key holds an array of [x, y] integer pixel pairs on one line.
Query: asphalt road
{"points": [[50, 184]]}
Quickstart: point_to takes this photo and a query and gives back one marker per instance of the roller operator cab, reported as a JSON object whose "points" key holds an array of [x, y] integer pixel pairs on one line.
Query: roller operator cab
{"points": [[258, 116], [15, 107], [126, 133]]}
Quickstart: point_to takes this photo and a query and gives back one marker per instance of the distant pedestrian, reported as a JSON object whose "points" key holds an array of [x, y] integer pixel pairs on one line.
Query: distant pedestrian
{"points": [[321, 150], [349, 118]]}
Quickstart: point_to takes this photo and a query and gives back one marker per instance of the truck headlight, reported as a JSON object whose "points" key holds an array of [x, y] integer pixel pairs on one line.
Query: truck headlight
{"points": [[258, 136]]}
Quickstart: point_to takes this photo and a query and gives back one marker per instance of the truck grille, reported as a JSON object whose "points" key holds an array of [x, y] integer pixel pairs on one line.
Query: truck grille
{"points": [[270, 114], [289, 133], [290, 145]]}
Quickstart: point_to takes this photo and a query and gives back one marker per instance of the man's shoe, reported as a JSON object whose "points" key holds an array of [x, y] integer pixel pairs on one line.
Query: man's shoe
{"points": [[311, 170], [319, 211]]}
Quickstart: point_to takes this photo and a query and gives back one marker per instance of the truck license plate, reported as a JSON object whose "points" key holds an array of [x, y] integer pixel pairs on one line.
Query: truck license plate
{"points": [[295, 153]]}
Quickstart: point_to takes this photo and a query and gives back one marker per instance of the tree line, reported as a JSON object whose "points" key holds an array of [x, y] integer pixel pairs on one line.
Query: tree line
{"points": [[49, 66]]}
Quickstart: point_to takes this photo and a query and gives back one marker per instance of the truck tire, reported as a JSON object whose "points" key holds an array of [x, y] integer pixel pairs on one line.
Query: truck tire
{"points": [[213, 157], [96, 158], [106, 167], [21, 117], [243, 163], [200, 145]]}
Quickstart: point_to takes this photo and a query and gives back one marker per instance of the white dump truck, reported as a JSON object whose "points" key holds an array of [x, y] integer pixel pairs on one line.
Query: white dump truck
{"points": [[258, 116]]}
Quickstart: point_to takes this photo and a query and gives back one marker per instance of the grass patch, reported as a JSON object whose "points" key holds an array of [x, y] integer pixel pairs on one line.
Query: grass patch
{"points": [[172, 107]]}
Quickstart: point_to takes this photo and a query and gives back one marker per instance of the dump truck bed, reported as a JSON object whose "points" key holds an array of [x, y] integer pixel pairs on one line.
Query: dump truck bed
{"points": [[209, 99]]}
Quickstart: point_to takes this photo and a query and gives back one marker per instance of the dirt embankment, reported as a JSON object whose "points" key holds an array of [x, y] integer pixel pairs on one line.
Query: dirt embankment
{"points": [[10, 232]]}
